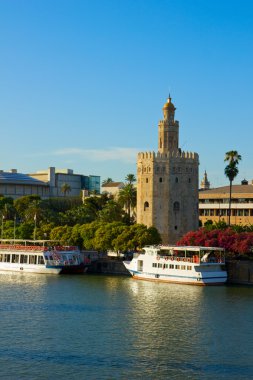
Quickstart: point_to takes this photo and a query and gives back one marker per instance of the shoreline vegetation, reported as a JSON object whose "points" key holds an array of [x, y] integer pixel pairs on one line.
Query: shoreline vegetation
{"points": [[104, 223]]}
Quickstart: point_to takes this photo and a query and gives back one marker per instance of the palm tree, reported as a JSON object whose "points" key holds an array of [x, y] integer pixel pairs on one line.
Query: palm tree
{"points": [[65, 188], [231, 171], [127, 198], [130, 178], [106, 181]]}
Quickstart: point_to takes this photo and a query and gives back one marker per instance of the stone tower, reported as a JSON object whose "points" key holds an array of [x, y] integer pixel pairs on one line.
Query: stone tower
{"points": [[205, 184], [167, 187]]}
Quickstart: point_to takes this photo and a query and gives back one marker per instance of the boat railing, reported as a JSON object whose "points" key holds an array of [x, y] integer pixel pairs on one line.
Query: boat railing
{"points": [[12, 247], [194, 259]]}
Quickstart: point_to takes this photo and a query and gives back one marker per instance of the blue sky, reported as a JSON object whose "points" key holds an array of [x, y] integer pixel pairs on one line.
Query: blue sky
{"points": [[83, 82]]}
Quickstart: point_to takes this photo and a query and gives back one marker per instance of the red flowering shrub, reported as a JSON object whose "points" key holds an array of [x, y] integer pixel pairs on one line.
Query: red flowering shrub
{"points": [[232, 241]]}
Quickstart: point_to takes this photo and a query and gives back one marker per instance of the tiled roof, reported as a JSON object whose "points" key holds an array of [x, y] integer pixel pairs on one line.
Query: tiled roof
{"points": [[113, 184], [19, 178], [238, 189]]}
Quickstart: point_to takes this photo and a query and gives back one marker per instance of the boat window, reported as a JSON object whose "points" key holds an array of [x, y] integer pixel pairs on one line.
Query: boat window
{"points": [[23, 259], [160, 265], [171, 266], [165, 266], [32, 259], [183, 267], [14, 258], [7, 258], [177, 266], [154, 265], [40, 260], [1, 257], [189, 267]]}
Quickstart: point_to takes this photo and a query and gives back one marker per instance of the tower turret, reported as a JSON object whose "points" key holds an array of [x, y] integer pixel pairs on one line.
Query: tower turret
{"points": [[168, 129]]}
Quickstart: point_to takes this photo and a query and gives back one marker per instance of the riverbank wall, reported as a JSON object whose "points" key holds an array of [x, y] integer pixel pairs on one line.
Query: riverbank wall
{"points": [[240, 272], [108, 266]]}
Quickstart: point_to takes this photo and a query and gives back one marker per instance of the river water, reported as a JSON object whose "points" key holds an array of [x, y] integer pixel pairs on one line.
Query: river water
{"points": [[108, 327]]}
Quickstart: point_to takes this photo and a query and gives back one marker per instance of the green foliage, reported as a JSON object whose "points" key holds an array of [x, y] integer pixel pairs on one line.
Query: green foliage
{"points": [[112, 212]]}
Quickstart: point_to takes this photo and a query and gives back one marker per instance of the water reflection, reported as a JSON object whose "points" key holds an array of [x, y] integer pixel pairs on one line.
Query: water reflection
{"points": [[118, 328]]}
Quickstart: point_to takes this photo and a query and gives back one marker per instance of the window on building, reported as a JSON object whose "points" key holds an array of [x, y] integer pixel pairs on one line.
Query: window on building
{"points": [[146, 180], [176, 179], [146, 206], [176, 206], [189, 180], [160, 179]]}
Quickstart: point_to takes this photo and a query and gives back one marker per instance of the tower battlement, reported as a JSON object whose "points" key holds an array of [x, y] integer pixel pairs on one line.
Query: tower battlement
{"points": [[178, 154]]}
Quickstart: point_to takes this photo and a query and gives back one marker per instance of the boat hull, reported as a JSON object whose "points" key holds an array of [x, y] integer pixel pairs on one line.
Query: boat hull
{"points": [[198, 282]]}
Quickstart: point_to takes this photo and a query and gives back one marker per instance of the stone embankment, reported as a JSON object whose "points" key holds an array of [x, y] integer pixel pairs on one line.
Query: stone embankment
{"points": [[240, 272], [108, 266]]}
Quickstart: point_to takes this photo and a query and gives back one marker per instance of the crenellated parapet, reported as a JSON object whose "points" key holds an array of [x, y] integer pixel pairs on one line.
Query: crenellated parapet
{"points": [[169, 155]]}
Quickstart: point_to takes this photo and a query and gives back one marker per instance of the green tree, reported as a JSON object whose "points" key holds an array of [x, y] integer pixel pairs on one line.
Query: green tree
{"points": [[61, 234], [127, 198], [130, 178], [106, 181], [65, 189], [22, 204], [105, 234], [231, 171], [87, 233], [112, 212]]}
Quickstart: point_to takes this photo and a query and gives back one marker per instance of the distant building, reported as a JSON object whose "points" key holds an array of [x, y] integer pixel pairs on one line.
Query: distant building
{"points": [[112, 188], [214, 204], [78, 183], [205, 184], [167, 188], [47, 183], [16, 185]]}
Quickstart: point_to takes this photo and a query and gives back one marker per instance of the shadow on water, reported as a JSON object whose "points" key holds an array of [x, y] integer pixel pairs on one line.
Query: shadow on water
{"points": [[109, 327]]}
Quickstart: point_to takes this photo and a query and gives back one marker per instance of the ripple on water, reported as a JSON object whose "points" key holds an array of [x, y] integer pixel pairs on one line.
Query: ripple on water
{"points": [[100, 327]]}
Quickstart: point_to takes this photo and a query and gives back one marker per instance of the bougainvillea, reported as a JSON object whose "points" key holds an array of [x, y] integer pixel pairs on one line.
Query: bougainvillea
{"points": [[232, 241]]}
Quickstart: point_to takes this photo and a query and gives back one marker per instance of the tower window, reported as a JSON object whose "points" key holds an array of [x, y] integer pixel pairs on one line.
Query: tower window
{"points": [[176, 206], [160, 179], [146, 206], [146, 180]]}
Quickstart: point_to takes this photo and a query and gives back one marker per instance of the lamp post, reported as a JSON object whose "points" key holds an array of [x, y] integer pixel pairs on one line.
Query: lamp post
{"points": [[14, 229], [2, 229], [35, 226]]}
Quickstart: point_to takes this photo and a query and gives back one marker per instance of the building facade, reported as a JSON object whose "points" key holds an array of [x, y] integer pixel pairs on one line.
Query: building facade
{"points": [[112, 188], [78, 183], [167, 185], [214, 204], [16, 185]]}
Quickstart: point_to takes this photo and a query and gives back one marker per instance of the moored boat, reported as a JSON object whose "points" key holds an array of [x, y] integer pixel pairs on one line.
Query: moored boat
{"points": [[184, 265], [39, 256]]}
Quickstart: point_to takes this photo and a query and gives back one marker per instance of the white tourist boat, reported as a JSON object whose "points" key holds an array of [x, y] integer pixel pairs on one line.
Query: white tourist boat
{"points": [[184, 265], [39, 256]]}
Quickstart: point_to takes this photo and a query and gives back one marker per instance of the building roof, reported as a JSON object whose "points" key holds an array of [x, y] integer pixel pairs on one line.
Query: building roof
{"points": [[113, 184], [19, 179], [236, 189]]}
